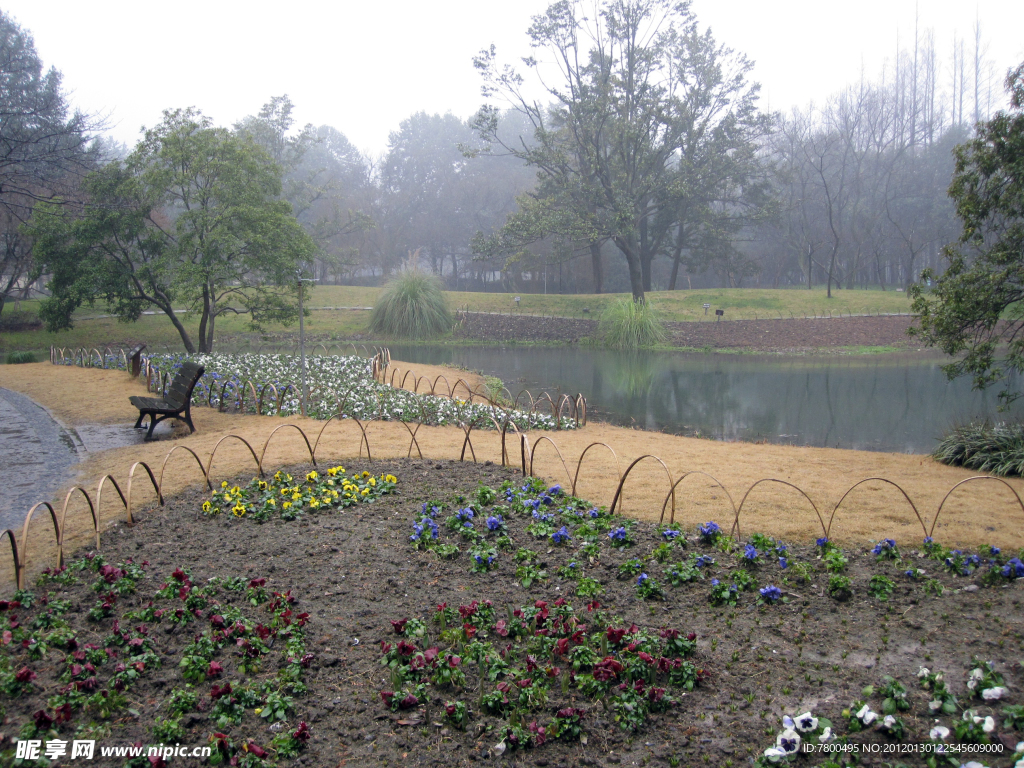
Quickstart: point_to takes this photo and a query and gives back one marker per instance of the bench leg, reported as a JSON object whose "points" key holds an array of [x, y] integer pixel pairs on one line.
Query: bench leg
{"points": [[138, 422], [152, 424]]}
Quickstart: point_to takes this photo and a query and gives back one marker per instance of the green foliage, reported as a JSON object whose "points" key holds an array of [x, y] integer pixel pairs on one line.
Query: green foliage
{"points": [[975, 311], [411, 305], [192, 216], [628, 324], [835, 561], [840, 587], [588, 587], [997, 449], [16, 358], [881, 587]]}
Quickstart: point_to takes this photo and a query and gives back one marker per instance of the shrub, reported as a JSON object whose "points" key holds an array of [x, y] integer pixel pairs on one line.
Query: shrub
{"points": [[15, 358], [626, 324], [411, 305], [986, 447]]}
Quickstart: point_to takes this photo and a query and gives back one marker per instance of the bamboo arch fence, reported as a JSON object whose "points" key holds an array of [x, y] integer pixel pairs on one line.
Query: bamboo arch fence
{"points": [[527, 461]]}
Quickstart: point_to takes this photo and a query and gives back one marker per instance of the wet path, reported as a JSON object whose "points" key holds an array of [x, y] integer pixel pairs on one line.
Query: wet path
{"points": [[37, 452], [35, 455]]}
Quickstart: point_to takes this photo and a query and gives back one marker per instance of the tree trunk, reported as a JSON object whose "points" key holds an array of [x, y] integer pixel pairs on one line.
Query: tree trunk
{"points": [[206, 321], [646, 255], [597, 263], [677, 257], [627, 245]]}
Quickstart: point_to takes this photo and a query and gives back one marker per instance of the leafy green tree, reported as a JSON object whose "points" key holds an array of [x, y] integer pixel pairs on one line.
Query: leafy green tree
{"points": [[322, 171], [193, 215], [44, 146], [977, 307], [642, 106]]}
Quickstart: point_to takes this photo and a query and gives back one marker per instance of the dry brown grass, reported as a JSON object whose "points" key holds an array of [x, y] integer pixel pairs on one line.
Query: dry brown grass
{"points": [[980, 512]]}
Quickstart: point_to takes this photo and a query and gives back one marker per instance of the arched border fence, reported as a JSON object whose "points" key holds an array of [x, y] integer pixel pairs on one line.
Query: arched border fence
{"points": [[527, 463]]}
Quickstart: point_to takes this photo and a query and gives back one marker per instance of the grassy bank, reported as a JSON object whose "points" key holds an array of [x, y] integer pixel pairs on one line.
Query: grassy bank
{"points": [[341, 312]]}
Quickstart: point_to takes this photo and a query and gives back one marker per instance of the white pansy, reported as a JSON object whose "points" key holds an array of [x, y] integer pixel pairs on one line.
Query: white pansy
{"points": [[806, 722], [888, 722], [992, 694], [935, 705], [788, 741], [774, 754], [923, 672], [974, 678], [939, 733], [866, 716], [988, 724], [787, 722], [826, 735]]}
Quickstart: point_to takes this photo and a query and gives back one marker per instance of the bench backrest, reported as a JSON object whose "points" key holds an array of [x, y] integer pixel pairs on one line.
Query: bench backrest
{"points": [[180, 391]]}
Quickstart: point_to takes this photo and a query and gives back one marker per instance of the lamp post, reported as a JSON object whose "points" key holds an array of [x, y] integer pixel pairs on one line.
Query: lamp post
{"points": [[302, 338]]}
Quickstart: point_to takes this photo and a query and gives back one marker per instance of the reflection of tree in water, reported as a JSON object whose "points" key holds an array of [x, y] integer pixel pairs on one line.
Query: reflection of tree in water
{"points": [[900, 404]]}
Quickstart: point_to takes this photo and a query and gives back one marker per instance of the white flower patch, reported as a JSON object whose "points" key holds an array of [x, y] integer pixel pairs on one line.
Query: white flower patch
{"points": [[338, 382]]}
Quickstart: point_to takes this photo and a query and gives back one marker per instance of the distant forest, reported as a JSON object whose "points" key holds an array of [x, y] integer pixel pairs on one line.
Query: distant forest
{"points": [[849, 193]]}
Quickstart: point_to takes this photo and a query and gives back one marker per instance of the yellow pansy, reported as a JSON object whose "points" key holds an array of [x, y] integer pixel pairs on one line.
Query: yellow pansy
{"points": [[286, 505], [271, 502], [314, 503], [207, 506], [372, 481], [224, 484], [312, 476], [391, 479], [296, 496]]}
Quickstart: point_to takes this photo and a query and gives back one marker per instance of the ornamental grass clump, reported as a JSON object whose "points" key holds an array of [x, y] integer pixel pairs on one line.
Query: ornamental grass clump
{"points": [[19, 357], [994, 448], [627, 324], [411, 305]]}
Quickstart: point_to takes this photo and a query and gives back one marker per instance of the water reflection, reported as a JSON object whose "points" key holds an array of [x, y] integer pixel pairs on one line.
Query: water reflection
{"points": [[890, 403]]}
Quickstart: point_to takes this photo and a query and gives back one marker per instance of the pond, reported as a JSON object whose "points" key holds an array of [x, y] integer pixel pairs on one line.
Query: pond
{"points": [[899, 403]]}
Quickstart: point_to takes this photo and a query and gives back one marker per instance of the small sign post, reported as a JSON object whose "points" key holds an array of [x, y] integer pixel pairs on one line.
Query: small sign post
{"points": [[718, 314], [706, 308]]}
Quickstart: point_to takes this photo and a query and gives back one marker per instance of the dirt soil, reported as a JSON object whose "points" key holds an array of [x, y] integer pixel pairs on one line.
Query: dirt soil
{"points": [[789, 336], [355, 572]]}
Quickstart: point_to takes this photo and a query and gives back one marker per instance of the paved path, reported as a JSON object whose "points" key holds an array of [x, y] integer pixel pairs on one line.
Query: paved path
{"points": [[35, 455]]}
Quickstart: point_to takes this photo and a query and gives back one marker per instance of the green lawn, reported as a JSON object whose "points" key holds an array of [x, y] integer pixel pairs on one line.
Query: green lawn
{"points": [[740, 303]]}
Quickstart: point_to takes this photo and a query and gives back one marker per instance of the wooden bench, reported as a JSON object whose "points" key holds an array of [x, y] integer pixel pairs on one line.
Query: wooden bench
{"points": [[177, 401]]}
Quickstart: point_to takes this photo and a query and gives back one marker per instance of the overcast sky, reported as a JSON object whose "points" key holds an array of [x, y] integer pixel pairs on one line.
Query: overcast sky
{"points": [[363, 67]]}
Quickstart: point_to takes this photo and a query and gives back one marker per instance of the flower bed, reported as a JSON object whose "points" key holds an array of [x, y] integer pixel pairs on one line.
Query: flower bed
{"points": [[533, 632], [343, 382]]}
